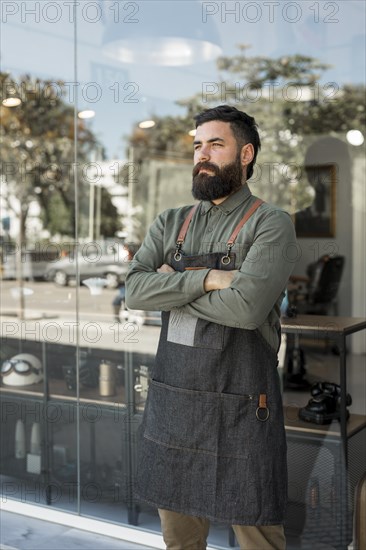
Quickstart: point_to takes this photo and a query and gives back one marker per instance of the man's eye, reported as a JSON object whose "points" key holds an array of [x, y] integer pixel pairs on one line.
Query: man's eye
{"points": [[217, 144]]}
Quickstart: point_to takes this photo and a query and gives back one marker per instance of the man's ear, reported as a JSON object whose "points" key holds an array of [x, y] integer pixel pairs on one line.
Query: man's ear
{"points": [[247, 154]]}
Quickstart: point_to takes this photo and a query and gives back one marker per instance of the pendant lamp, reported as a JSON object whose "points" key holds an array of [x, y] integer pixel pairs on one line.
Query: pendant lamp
{"points": [[167, 33]]}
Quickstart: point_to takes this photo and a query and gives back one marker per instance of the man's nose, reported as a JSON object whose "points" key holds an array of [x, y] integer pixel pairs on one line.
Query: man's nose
{"points": [[204, 154]]}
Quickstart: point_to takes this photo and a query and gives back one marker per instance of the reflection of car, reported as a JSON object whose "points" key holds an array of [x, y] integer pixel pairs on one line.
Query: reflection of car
{"points": [[32, 266], [141, 317], [105, 266]]}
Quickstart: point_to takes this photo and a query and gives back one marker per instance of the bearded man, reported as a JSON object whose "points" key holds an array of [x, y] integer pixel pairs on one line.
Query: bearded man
{"points": [[212, 441]]}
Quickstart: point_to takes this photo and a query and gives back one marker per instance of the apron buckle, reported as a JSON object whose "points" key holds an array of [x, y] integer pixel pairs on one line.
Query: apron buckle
{"points": [[178, 255], [262, 412], [225, 260]]}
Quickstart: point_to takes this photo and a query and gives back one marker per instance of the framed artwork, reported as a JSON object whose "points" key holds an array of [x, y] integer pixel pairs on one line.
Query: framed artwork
{"points": [[319, 219]]}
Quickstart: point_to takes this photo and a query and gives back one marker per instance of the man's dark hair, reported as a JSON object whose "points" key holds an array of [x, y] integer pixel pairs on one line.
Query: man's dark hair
{"points": [[242, 125]]}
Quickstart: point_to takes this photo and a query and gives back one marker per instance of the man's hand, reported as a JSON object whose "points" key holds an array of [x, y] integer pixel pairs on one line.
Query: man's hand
{"points": [[217, 279], [165, 268]]}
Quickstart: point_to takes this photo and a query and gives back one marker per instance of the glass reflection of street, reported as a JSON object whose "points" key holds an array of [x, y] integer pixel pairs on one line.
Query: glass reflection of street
{"points": [[50, 310]]}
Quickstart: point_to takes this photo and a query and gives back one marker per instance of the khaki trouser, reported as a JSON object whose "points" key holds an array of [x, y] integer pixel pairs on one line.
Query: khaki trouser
{"points": [[183, 532]]}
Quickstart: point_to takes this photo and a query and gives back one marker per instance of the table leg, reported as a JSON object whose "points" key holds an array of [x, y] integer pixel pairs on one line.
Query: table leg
{"points": [[344, 519], [343, 384]]}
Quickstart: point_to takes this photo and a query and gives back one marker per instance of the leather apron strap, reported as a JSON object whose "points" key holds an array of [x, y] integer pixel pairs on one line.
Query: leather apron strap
{"points": [[245, 218], [183, 233], [187, 221], [232, 239]]}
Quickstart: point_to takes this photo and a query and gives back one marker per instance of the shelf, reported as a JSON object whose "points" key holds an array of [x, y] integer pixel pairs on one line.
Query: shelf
{"points": [[293, 423], [58, 390], [324, 325], [36, 391]]}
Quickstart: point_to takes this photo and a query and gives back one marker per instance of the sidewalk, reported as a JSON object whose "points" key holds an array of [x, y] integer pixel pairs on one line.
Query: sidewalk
{"points": [[24, 533]]}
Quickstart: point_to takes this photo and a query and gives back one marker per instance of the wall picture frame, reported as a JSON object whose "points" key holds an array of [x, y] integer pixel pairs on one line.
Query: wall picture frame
{"points": [[319, 218]]}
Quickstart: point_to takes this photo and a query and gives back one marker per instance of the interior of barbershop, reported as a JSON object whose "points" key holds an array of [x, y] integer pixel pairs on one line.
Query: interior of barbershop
{"points": [[117, 118]]}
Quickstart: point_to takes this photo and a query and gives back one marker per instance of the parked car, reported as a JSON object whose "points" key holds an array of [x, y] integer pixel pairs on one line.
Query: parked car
{"points": [[33, 264], [105, 266]]}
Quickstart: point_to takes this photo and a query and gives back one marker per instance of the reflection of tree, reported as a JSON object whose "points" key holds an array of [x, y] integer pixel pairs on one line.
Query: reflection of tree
{"points": [[38, 155], [290, 104]]}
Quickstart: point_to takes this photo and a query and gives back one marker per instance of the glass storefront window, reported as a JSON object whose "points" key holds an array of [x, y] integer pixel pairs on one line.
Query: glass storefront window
{"points": [[97, 105]]}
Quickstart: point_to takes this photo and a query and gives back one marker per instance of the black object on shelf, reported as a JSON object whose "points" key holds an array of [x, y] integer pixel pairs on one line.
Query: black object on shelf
{"points": [[325, 404], [88, 374], [295, 378]]}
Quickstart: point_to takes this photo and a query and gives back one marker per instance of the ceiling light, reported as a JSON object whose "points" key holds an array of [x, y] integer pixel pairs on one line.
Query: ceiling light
{"points": [[162, 33], [355, 137], [11, 101], [86, 114], [147, 124]]}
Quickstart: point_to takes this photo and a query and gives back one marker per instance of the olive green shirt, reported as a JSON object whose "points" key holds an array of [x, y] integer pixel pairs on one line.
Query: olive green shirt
{"points": [[265, 251]]}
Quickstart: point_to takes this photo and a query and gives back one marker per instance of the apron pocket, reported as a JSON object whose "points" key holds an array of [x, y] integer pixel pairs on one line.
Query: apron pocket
{"points": [[198, 421], [209, 335], [187, 330]]}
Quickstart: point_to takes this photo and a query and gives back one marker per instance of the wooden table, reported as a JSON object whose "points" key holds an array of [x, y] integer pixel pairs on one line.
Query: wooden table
{"points": [[332, 327]]}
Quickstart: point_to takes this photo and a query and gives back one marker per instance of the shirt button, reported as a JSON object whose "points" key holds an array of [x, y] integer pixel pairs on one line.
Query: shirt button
{"points": [[210, 229], [215, 208]]}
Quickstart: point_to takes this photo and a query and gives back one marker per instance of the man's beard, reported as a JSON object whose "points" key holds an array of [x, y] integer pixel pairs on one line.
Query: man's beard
{"points": [[225, 180]]}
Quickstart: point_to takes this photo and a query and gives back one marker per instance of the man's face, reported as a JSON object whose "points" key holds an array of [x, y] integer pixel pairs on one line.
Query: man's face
{"points": [[217, 168]]}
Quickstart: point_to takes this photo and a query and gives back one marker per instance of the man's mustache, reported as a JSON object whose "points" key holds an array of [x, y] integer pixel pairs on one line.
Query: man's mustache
{"points": [[208, 165]]}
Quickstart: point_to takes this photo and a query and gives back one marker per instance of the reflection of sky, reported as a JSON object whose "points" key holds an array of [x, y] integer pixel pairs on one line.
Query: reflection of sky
{"points": [[334, 32]]}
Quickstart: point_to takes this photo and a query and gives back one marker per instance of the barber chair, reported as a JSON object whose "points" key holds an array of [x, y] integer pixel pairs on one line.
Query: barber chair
{"points": [[315, 294]]}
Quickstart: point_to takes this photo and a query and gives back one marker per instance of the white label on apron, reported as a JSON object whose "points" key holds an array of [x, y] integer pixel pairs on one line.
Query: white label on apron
{"points": [[181, 328]]}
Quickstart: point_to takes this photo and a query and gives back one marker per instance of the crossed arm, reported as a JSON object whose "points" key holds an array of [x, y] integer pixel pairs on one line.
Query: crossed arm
{"points": [[214, 280], [243, 297]]}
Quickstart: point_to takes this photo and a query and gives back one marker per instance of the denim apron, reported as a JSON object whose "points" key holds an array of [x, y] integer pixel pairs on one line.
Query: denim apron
{"points": [[212, 440]]}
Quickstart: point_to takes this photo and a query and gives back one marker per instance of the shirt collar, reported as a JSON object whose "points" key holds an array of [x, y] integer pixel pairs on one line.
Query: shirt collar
{"points": [[229, 204]]}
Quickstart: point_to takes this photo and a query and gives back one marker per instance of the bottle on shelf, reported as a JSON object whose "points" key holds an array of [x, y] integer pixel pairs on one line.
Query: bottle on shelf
{"points": [[19, 439], [107, 379], [35, 441]]}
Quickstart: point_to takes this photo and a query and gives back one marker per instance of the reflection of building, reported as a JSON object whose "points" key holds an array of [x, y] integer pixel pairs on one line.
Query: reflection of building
{"points": [[316, 219], [10, 208], [328, 158], [163, 182]]}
